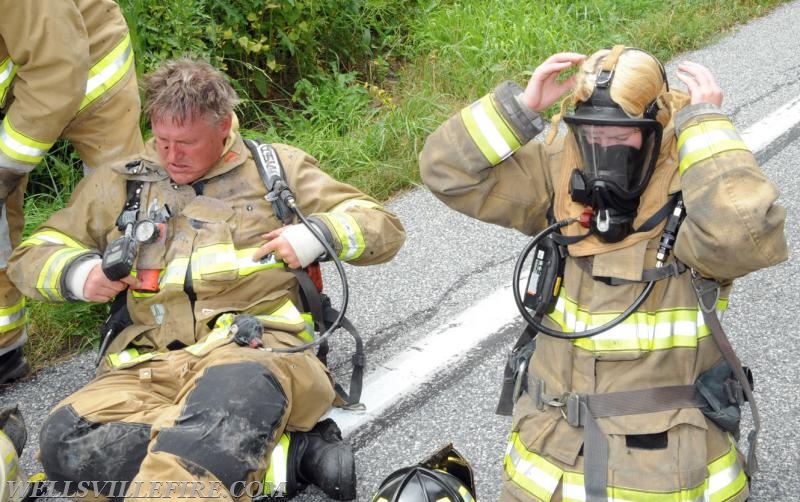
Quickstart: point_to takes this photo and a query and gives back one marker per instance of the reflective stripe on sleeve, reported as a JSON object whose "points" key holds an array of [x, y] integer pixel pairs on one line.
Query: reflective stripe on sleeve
{"points": [[49, 280], [20, 147], [489, 130], [104, 75], [344, 206], [7, 71], [107, 72], [46, 237], [704, 140], [349, 233], [13, 316]]}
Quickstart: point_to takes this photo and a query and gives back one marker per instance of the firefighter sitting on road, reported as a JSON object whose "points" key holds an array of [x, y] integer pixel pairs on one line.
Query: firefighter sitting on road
{"points": [[615, 413], [175, 399], [66, 71]]}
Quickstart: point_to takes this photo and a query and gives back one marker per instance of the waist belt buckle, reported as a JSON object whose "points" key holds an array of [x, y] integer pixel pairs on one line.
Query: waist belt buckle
{"points": [[572, 410]]}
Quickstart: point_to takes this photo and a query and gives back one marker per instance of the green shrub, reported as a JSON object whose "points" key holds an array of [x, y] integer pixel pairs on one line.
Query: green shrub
{"points": [[264, 46]]}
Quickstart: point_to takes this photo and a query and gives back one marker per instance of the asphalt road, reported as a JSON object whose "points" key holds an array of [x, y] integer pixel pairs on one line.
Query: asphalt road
{"points": [[451, 263]]}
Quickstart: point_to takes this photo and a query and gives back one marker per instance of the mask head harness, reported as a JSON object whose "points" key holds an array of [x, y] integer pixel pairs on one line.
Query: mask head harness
{"points": [[619, 154]]}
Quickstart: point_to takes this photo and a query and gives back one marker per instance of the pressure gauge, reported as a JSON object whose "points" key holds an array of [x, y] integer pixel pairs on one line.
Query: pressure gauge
{"points": [[146, 231]]}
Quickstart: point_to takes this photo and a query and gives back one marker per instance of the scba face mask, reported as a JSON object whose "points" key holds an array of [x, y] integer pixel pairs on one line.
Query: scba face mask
{"points": [[619, 156]]}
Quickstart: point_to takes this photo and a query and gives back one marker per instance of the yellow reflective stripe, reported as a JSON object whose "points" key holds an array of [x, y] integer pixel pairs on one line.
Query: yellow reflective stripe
{"points": [[129, 357], [246, 265], [287, 315], [466, 496], [349, 233], [107, 72], [703, 140], [222, 329], [726, 477], [307, 334], [529, 471], [276, 473], [7, 71], [487, 127], [539, 477], [20, 147], [214, 259], [573, 491], [10, 461], [13, 316], [344, 206], [45, 237], [175, 273], [641, 331], [49, 278]]}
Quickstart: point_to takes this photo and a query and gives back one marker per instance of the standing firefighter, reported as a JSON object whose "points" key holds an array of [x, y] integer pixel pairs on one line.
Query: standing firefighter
{"points": [[177, 398], [66, 71], [632, 392]]}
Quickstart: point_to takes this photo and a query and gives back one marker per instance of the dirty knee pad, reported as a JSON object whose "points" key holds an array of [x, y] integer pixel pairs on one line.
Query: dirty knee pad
{"points": [[227, 421], [75, 449]]}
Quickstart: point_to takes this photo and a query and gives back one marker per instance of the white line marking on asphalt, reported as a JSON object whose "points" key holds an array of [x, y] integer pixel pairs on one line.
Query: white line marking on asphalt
{"points": [[761, 134], [421, 362], [451, 342]]}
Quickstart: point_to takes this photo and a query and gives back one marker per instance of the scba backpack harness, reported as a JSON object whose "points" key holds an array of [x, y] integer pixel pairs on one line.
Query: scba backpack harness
{"points": [[120, 255], [719, 392]]}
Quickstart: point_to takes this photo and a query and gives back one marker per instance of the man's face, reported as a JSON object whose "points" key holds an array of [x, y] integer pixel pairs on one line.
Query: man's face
{"points": [[189, 150]]}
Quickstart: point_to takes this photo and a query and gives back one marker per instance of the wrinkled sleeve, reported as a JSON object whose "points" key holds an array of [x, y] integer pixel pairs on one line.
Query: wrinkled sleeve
{"points": [[360, 229], [49, 55], [733, 224], [39, 266], [482, 162]]}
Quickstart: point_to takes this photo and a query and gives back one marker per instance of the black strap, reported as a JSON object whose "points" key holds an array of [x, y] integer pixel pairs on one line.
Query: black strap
{"points": [[661, 214], [708, 293], [272, 174], [324, 315], [516, 369]]}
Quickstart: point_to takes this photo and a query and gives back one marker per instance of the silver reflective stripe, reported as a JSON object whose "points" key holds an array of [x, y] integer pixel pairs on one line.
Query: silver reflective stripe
{"points": [[706, 140], [20, 148], [108, 73], [489, 131]]}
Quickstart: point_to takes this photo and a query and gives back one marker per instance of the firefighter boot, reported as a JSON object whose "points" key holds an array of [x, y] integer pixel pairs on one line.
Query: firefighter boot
{"points": [[13, 366], [320, 457], [13, 426]]}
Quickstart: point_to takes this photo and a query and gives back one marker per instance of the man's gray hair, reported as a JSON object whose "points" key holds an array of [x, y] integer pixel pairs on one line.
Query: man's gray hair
{"points": [[187, 89]]}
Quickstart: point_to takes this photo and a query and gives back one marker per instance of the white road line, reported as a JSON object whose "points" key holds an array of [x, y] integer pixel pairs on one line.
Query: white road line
{"points": [[451, 342], [418, 364], [761, 134]]}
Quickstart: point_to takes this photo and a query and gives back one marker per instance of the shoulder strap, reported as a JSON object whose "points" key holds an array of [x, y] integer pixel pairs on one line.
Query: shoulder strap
{"points": [[272, 174], [274, 177], [708, 293]]}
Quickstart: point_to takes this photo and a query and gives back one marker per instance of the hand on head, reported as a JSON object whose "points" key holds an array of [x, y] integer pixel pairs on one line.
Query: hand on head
{"points": [[544, 87]]}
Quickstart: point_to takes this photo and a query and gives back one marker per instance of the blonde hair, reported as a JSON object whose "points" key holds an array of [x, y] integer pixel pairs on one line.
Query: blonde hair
{"points": [[638, 81]]}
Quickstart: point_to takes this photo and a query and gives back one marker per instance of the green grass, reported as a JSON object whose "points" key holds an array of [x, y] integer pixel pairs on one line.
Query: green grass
{"points": [[367, 127]]}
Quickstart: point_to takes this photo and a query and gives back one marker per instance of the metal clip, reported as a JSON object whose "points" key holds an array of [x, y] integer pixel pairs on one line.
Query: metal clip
{"points": [[702, 287], [573, 411]]}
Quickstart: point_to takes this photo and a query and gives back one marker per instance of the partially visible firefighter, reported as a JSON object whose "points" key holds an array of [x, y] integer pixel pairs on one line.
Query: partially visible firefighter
{"points": [[66, 71], [643, 212], [214, 379]]}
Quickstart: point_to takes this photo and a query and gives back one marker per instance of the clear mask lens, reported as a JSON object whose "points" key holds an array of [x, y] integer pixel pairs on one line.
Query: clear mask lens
{"points": [[619, 157]]}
